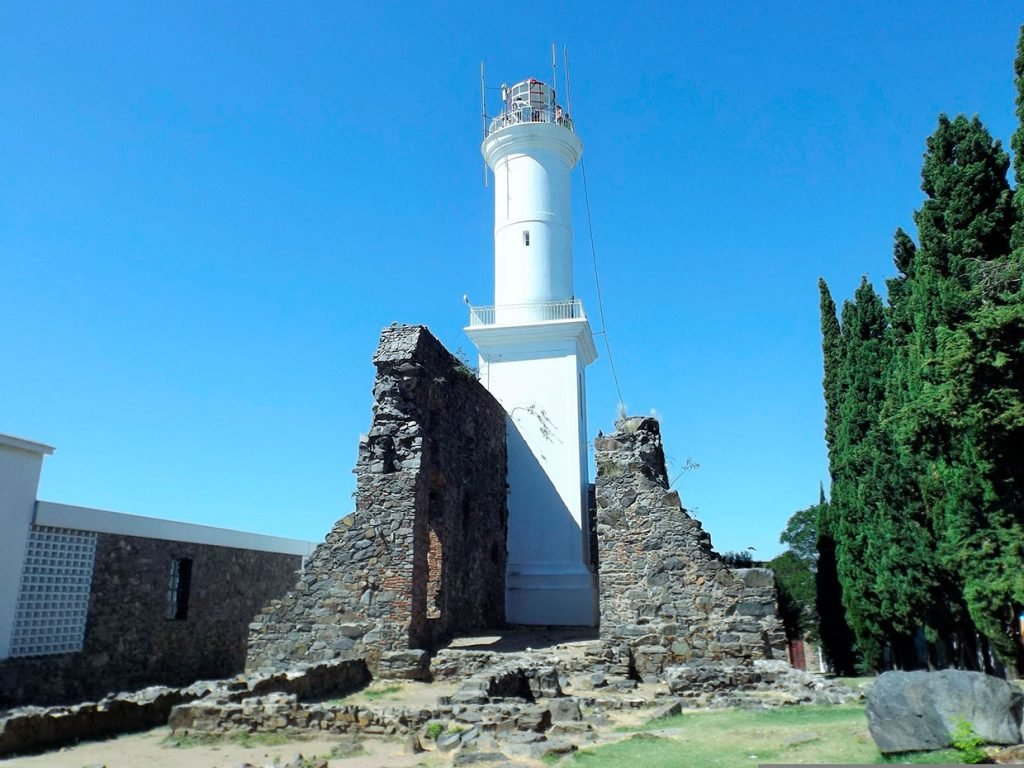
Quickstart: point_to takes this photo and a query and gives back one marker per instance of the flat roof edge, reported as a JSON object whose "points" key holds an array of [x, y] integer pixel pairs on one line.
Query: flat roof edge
{"points": [[56, 515], [10, 441]]}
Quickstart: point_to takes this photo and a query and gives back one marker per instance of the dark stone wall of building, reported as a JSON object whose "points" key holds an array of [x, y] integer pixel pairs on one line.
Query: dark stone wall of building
{"points": [[423, 555], [666, 596], [130, 643]]}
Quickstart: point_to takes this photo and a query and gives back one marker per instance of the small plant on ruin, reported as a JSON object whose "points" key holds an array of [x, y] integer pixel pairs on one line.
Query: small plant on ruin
{"points": [[688, 466], [434, 730], [621, 414], [464, 368], [969, 744]]}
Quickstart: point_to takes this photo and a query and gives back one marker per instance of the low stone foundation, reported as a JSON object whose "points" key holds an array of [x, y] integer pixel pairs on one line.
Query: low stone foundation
{"points": [[32, 729], [527, 703]]}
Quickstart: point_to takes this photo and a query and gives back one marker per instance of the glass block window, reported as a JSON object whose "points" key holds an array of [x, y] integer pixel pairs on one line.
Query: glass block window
{"points": [[54, 596]]}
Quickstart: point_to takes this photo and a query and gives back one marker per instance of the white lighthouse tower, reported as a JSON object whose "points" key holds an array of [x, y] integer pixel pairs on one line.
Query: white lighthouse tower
{"points": [[535, 344]]}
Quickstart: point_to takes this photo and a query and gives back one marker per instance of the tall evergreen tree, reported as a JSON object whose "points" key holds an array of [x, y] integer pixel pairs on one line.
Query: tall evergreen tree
{"points": [[836, 636], [1017, 145], [964, 228], [925, 406], [910, 588], [853, 515]]}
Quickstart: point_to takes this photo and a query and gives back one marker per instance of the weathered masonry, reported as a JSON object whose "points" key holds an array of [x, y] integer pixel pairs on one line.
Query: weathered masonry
{"points": [[423, 556], [666, 597], [93, 601]]}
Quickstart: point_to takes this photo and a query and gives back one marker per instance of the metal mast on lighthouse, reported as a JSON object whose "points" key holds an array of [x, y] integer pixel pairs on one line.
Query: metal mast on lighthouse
{"points": [[535, 344]]}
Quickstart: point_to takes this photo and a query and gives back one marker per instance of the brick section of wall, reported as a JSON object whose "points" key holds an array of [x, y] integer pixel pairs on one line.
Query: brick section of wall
{"points": [[666, 596], [129, 641], [423, 555]]}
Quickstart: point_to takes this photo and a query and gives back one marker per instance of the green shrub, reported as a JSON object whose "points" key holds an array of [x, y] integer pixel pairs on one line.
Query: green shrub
{"points": [[969, 744]]}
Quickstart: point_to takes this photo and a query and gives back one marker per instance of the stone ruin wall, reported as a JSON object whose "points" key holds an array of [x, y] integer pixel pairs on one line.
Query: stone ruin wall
{"points": [[423, 555], [666, 596], [130, 643]]}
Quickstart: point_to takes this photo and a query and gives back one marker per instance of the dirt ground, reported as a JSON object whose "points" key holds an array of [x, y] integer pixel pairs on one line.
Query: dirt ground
{"points": [[154, 749], [148, 750]]}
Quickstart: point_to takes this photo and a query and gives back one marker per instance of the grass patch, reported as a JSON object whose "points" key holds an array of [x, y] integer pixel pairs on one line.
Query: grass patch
{"points": [[348, 748], [191, 740], [387, 691], [260, 739], [743, 737], [242, 738], [939, 757], [371, 693]]}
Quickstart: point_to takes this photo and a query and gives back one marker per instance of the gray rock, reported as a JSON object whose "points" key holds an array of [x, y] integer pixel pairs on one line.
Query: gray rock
{"points": [[479, 758], [917, 711], [524, 737], [550, 748], [671, 709], [446, 742], [564, 709]]}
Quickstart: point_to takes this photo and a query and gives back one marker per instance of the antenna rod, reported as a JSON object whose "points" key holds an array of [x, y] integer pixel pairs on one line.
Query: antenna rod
{"points": [[483, 102], [483, 114], [568, 96], [554, 76]]}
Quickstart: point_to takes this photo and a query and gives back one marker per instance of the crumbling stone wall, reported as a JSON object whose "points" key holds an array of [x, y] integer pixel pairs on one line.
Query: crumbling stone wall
{"points": [[423, 555], [129, 641], [666, 596]]}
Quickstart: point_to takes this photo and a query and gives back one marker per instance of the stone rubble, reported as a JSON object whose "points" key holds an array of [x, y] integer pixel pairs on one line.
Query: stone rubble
{"points": [[37, 728]]}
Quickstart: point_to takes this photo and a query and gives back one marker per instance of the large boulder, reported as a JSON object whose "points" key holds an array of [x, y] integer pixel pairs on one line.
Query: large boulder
{"points": [[917, 711]]}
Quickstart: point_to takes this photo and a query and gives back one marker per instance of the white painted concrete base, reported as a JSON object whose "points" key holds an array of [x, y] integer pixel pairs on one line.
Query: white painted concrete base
{"points": [[536, 371], [547, 595]]}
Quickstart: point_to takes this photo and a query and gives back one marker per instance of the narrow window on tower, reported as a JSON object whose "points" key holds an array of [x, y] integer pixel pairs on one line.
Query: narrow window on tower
{"points": [[178, 586], [526, 237]]}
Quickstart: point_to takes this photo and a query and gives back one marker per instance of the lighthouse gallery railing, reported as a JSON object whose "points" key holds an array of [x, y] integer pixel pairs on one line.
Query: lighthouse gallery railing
{"points": [[526, 114], [518, 314]]}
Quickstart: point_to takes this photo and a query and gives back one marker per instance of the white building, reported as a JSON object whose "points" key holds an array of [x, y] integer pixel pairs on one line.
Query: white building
{"points": [[534, 346], [91, 598]]}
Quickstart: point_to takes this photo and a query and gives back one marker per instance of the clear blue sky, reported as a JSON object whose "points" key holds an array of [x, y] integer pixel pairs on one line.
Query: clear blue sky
{"points": [[209, 210]]}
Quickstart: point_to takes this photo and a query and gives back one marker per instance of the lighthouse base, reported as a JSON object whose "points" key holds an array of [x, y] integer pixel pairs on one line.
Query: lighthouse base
{"points": [[551, 595]]}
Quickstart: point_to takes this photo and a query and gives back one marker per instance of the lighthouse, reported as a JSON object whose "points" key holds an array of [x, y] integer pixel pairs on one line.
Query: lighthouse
{"points": [[534, 346]]}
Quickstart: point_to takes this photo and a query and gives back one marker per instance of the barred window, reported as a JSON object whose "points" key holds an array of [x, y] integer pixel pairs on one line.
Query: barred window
{"points": [[178, 586]]}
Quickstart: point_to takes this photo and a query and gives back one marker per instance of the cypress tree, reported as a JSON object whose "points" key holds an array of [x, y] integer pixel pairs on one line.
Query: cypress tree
{"points": [[836, 636], [925, 413], [854, 517], [964, 226], [1017, 145]]}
